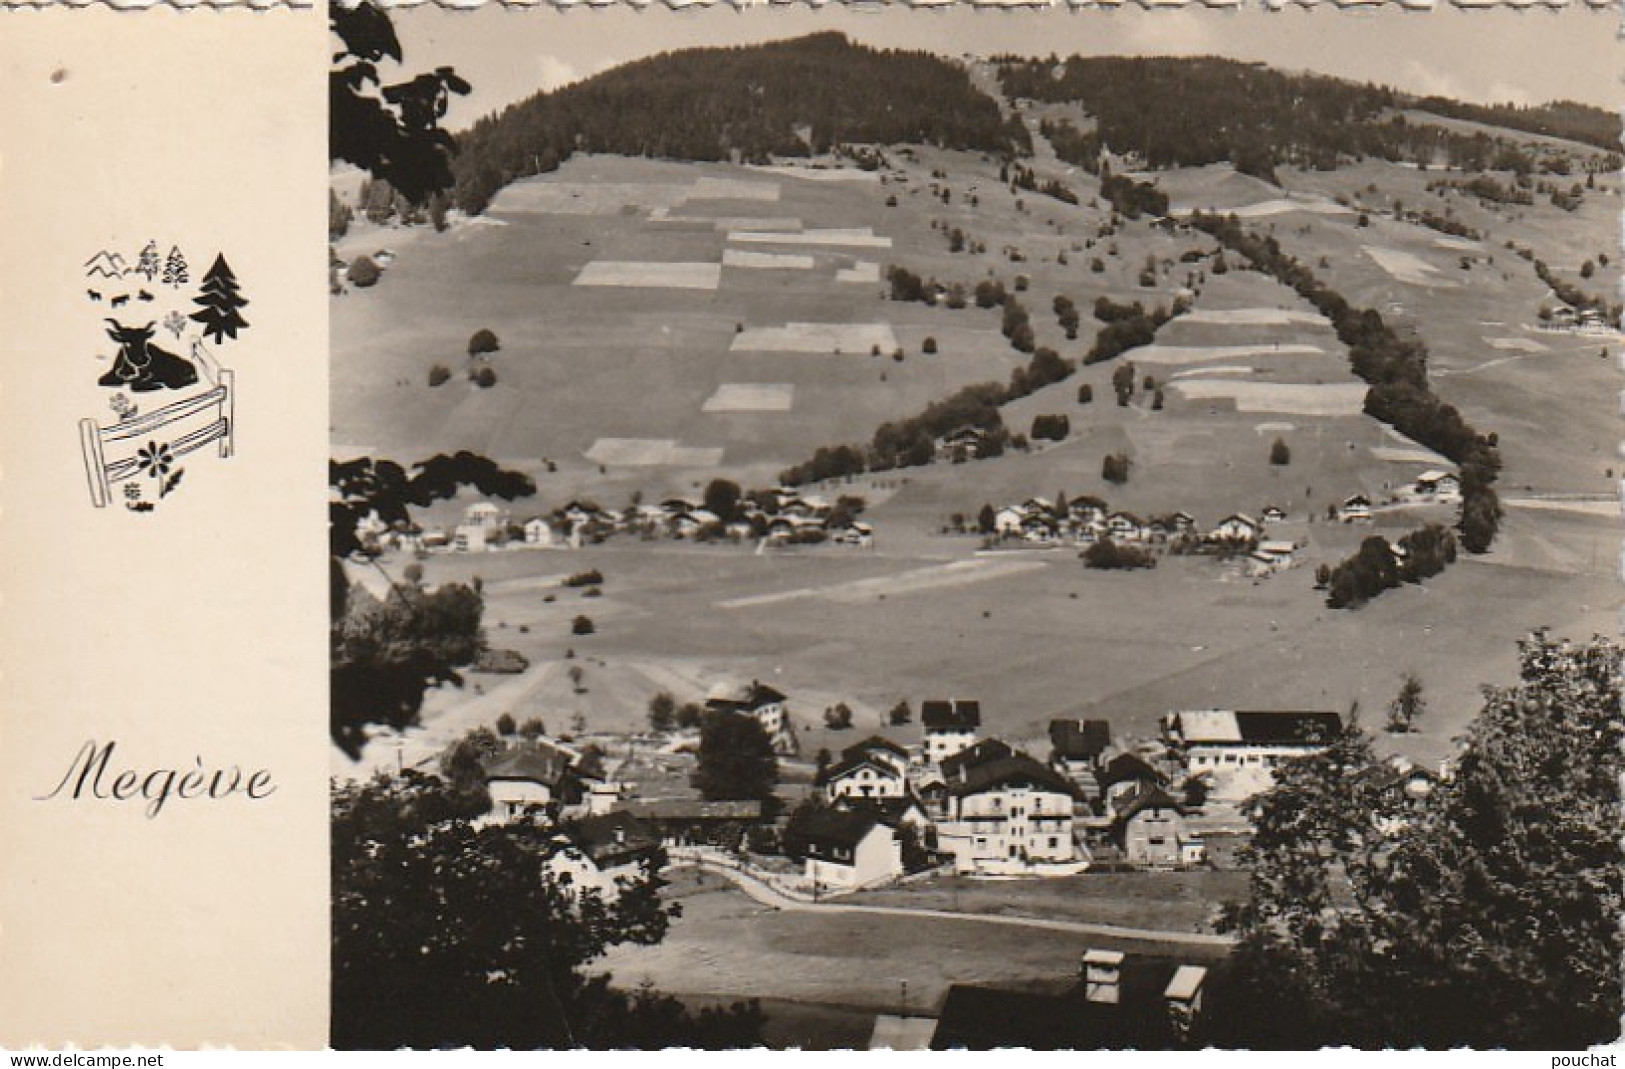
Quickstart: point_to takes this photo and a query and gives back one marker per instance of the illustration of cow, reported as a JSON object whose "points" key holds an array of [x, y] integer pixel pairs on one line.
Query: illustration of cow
{"points": [[142, 366]]}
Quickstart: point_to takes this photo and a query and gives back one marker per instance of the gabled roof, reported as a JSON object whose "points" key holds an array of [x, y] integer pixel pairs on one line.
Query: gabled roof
{"points": [[1003, 771], [1146, 796], [1238, 517], [987, 1018], [875, 743], [1079, 739], [889, 810], [975, 754], [613, 838], [1289, 727], [1127, 768], [533, 762], [848, 765], [838, 827], [954, 714]]}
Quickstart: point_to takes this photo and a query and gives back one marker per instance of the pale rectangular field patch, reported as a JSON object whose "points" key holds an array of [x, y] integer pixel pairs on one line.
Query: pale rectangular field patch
{"points": [[846, 338], [1280, 206], [747, 222], [1521, 345], [635, 273], [652, 452], [854, 237], [1304, 399], [751, 397], [1401, 455], [1251, 317], [817, 174], [772, 260], [1223, 369], [1458, 244], [1177, 355], [1405, 267], [862, 271], [733, 189], [913, 580], [545, 197]]}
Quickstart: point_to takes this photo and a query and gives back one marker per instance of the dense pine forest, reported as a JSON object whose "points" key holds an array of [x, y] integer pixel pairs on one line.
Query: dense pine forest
{"points": [[786, 98], [1191, 112]]}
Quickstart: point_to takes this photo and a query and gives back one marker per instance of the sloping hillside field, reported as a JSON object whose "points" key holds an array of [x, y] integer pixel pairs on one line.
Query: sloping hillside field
{"points": [[663, 324]]}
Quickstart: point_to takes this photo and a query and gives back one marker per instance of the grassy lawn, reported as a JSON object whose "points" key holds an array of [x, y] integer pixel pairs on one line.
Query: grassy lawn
{"points": [[1179, 901]]}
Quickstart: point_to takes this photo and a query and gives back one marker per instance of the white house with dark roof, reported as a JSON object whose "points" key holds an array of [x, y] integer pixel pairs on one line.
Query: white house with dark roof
{"points": [[868, 775], [850, 848], [950, 726], [1438, 486], [1237, 750], [1237, 527], [1355, 509], [765, 704], [1006, 814]]}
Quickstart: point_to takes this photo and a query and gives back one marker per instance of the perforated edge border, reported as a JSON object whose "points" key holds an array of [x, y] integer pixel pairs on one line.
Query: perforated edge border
{"points": [[1421, 6]]}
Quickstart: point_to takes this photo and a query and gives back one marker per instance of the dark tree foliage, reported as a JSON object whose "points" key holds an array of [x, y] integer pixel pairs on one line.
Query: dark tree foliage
{"points": [[1485, 914], [385, 654], [753, 102], [736, 759], [483, 341], [1108, 555], [1562, 118], [1188, 112], [722, 497], [447, 936], [390, 131]]}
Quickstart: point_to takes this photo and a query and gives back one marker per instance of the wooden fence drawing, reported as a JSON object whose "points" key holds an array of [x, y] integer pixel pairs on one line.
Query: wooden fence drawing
{"points": [[185, 426]]}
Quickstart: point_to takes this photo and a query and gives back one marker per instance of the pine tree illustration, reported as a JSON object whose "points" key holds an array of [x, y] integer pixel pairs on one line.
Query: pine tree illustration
{"points": [[147, 262], [175, 268], [220, 302]]}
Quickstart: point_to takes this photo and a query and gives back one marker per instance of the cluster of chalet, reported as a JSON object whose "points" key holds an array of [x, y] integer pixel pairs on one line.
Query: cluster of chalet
{"points": [[1130, 815], [1086, 520], [980, 802], [540, 780], [1116, 1001], [1236, 752], [782, 516], [1584, 321]]}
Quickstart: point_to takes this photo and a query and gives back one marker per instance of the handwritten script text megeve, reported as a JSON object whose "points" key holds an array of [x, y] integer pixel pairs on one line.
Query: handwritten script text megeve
{"points": [[156, 785]]}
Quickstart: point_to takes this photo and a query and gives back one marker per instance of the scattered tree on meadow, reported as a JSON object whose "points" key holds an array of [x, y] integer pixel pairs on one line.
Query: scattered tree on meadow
{"points": [[483, 341], [1280, 453], [1408, 705], [899, 714], [662, 712]]}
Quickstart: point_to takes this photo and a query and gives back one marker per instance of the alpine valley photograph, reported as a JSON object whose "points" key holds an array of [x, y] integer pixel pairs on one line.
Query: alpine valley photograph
{"points": [[861, 528]]}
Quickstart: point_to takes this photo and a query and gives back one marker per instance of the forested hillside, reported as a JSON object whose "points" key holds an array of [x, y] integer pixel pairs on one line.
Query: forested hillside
{"points": [[786, 98], [1191, 112]]}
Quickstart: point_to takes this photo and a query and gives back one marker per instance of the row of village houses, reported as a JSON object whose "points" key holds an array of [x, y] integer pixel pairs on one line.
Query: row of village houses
{"points": [[783, 516], [1086, 520], [976, 801]]}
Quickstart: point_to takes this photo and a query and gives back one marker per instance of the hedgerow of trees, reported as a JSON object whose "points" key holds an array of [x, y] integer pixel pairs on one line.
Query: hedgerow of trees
{"points": [[1396, 369]]}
